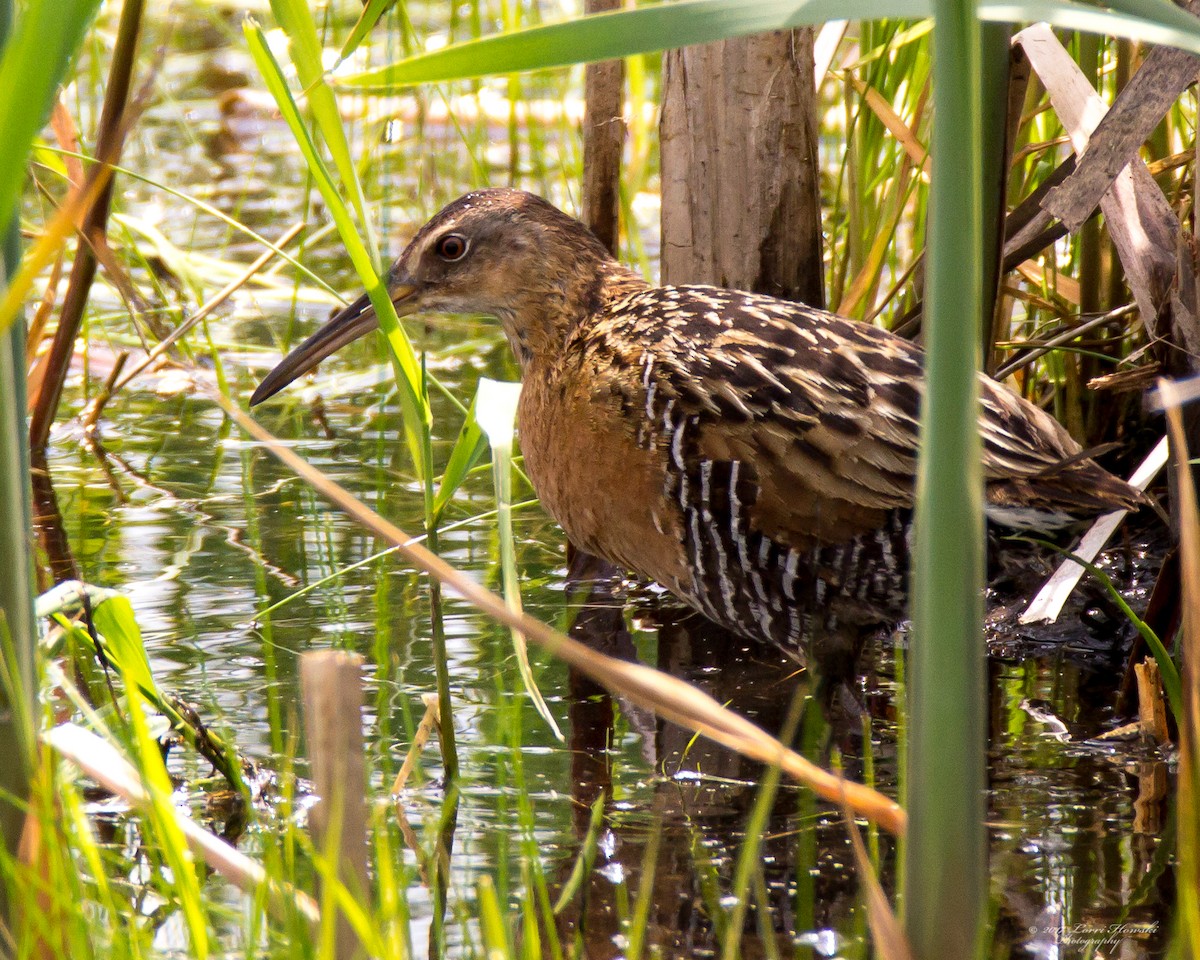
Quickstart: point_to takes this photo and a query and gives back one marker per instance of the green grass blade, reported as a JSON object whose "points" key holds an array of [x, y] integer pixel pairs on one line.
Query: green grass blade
{"points": [[295, 17], [404, 359], [272, 75], [497, 413], [45, 39], [581, 870], [115, 621], [645, 896], [622, 33], [1171, 680], [35, 55], [1070, 15], [468, 447], [18, 635], [185, 883], [945, 862], [1158, 11], [372, 11], [492, 924]]}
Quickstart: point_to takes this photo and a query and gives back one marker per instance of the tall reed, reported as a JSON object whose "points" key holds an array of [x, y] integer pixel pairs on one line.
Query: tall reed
{"points": [[945, 863], [34, 54]]}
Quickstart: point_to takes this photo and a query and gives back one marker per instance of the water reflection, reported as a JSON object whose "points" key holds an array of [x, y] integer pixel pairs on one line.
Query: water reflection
{"points": [[683, 838], [1080, 826]]}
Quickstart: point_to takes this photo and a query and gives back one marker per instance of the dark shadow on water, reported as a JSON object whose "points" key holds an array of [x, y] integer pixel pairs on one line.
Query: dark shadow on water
{"points": [[702, 797]]}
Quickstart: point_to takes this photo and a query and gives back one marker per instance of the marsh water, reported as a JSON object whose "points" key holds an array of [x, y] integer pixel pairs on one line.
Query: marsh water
{"points": [[169, 503]]}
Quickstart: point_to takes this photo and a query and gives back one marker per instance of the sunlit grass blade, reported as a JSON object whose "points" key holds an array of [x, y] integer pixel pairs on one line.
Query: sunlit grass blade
{"points": [[497, 414], [492, 922], [47, 34], [163, 820], [623, 33], [371, 12], [895, 41], [115, 620], [404, 359], [296, 19], [467, 449]]}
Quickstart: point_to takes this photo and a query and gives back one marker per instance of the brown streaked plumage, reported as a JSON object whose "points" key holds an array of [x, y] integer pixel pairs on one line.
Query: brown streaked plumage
{"points": [[755, 456]]}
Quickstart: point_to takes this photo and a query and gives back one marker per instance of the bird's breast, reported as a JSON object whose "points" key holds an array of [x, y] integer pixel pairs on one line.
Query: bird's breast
{"points": [[594, 477]]}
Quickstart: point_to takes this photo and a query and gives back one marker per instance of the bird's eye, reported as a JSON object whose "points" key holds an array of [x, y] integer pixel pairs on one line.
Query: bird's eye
{"points": [[452, 247]]}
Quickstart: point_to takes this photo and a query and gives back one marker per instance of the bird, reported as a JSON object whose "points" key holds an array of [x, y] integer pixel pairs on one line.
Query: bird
{"points": [[755, 456]]}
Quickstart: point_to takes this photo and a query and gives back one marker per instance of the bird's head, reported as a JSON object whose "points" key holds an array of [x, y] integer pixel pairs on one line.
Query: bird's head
{"points": [[503, 253]]}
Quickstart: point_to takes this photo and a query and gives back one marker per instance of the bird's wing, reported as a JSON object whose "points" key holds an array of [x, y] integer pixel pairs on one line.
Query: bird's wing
{"points": [[825, 410]]}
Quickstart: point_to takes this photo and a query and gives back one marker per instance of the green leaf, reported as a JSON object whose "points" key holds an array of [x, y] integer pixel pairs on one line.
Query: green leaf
{"points": [[1160, 11], [409, 374], [34, 61], [372, 11], [295, 17], [115, 621], [1173, 30], [622, 33], [468, 447]]}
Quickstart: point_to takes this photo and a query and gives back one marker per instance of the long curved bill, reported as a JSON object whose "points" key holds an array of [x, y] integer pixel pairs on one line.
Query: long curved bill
{"points": [[348, 325]]}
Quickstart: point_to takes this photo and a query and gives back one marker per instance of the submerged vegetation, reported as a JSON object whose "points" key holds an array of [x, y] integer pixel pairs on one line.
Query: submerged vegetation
{"points": [[221, 173]]}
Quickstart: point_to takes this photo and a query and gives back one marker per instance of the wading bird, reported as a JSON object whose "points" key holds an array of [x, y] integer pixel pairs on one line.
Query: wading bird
{"points": [[755, 456]]}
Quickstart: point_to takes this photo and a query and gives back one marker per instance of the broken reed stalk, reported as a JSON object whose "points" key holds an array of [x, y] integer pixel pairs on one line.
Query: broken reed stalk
{"points": [[1152, 709], [669, 697], [331, 685]]}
